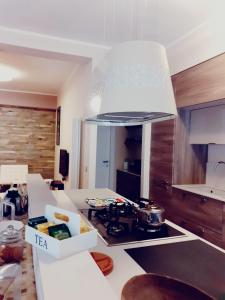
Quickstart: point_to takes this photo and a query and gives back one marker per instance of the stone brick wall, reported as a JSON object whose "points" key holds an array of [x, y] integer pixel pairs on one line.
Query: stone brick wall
{"points": [[27, 136]]}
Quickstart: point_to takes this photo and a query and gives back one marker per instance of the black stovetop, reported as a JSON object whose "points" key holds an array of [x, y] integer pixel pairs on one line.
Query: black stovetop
{"points": [[131, 236], [193, 262]]}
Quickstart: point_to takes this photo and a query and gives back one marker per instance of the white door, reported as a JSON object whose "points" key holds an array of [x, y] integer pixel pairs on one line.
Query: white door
{"points": [[103, 157]]}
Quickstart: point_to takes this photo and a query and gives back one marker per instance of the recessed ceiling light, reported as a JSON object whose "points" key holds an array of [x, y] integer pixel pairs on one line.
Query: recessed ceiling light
{"points": [[8, 73]]}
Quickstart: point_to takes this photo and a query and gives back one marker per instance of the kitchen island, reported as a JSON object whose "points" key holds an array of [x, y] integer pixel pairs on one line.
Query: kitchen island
{"points": [[78, 276]]}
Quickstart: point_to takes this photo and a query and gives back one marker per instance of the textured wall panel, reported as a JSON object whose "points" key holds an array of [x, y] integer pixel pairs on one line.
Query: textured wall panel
{"points": [[27, 136]]}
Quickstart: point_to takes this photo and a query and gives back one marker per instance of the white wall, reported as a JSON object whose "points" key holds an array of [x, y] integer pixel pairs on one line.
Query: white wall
{"points": [[27, 100], [72, 100], [203, 43], [215, 174]]}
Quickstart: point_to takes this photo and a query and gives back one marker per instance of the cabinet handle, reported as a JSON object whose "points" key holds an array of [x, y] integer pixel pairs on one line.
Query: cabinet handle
{"points": [[202, 231], [204, 200], [165, 182]]}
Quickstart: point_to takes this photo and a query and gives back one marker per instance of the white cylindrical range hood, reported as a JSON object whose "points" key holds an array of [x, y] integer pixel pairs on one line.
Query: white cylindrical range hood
{"points": [[132, 86]]}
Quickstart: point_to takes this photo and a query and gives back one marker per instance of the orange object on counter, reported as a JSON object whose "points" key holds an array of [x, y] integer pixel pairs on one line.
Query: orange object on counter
{"points": [[120, 200], [104, 262]]}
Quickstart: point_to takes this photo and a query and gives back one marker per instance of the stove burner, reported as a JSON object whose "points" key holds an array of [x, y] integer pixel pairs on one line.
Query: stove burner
{"points": [[119, 209], [149, 231], [103, 215], [117, 229], [128, 229]]}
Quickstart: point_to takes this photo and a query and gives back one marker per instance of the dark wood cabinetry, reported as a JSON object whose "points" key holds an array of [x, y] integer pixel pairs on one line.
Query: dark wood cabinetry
{"points": [[198, 214], [203, 210], [161, 169], [128, 184], [200, 230], [201, 83], [175, 161]]}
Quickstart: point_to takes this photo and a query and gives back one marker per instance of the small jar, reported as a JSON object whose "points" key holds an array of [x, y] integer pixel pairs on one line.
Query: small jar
{"points": [[11, 245]]}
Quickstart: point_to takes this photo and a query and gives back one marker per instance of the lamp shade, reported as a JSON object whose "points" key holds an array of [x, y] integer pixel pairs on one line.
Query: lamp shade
{"points": [[132, 85]]}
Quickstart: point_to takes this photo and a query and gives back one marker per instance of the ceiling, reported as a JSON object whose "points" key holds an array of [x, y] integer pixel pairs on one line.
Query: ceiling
{"points": [[37, 74], [108, 21], [104, 22]]}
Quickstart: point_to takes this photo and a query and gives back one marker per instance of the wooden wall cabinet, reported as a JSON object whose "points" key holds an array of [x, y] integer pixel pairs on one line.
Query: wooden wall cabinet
{"points": [[175, 161], [201, 83], [161, 168]]}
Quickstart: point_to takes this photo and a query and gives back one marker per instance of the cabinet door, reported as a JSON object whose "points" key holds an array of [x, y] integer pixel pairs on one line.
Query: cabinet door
{"points": [[201, 231], [201, 83], [161, 162], [161, 194], [201, 210]]}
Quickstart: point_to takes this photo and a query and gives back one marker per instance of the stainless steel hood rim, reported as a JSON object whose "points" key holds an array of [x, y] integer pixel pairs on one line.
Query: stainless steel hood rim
{"points": [[99, 122]]}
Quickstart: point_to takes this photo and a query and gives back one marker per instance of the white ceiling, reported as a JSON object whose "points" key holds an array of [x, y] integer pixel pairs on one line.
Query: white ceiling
{"points": [[38, 75], [104, 22], [108, 21]]}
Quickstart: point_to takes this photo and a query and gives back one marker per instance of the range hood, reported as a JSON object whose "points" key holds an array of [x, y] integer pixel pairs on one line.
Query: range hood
{"points": [[129, 118], [132, 86]]}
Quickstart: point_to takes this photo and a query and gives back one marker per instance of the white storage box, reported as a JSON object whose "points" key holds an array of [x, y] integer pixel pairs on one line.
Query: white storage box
{"points": [[62, 248]]}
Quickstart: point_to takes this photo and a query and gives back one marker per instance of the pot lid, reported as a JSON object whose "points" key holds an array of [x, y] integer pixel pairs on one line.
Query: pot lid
{"points": [[9, 235], [152, 208]]}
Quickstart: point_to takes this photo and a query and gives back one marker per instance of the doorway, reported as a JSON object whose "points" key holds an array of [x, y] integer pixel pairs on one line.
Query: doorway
{"points": [[114, 146], [104, 158]]}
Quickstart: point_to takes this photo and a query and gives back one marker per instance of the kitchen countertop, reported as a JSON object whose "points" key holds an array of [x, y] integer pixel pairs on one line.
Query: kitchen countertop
{"points": [[80, 269], [203, 190], [76, 276]]}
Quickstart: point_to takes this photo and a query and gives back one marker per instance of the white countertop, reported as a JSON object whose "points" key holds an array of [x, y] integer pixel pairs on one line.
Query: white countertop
{"points": [[203, 190], [78, 277]]}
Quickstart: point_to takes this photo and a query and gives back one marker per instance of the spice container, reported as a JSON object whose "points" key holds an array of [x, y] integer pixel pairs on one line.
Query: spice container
{"points": [[11, 245]]}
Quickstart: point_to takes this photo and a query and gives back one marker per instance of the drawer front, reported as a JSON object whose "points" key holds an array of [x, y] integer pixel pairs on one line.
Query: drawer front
{"points": [[201, 210], [201, 231]]}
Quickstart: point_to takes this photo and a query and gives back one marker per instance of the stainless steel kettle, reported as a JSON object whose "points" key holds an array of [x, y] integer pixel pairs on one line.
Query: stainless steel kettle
{"points": [[151, 214]]}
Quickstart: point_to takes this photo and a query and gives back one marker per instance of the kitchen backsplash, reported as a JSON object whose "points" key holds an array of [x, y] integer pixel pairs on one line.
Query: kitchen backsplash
{"points": [[215, 174]]}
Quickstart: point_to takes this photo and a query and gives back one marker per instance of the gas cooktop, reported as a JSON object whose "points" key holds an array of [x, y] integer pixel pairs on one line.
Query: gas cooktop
{"points": [[126, 229]]}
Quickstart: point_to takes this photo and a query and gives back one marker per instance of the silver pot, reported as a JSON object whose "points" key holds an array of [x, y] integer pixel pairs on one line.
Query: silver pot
{"points": [[151, 215]]}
